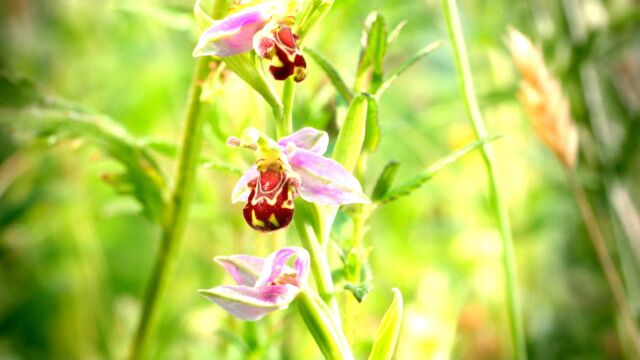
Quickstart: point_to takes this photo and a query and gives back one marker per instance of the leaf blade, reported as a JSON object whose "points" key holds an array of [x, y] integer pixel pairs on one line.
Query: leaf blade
{"points": [[332, 74], [413, 184], [387, 337]]}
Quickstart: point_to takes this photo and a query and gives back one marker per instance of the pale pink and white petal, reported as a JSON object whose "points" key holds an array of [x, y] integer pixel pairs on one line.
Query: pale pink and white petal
{"points": [[241, 190], [275, 265], [307, 138], [252, 303], [324, 181], [244, 269], [234, 34]]}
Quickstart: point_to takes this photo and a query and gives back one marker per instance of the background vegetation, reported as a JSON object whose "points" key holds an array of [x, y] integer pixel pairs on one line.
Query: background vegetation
{"points": [[75, 255]]}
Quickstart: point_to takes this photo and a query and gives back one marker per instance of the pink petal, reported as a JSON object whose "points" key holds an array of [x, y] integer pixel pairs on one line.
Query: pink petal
{"points": [[234, 34], [244, 269], [249, 303], [307, 138], [325, 181], [241, 190], [275, 266]]}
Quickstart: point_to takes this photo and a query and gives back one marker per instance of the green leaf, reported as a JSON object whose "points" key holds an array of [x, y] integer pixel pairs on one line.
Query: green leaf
{"points": [[389, 329], [393, 34], [143, 176], [374, 42], [411, 185], [372, 132], [352, 133], [332, 73], [359, 291], [385, 180], [405, 66]]}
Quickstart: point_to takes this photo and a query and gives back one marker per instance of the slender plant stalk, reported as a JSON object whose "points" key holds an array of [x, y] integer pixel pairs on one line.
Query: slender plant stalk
{"points": [[318, 258], [508, 258], [175, 213], [284, 123], [608, 266]]}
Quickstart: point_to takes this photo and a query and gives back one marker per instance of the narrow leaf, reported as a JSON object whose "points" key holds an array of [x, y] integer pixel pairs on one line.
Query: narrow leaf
{"points": [[141, 170], [389, 329], [393, 34], [393, 76], [374, 44], [332, 73], [372, 132], [385, 180], [411, 185], [352, 133]]}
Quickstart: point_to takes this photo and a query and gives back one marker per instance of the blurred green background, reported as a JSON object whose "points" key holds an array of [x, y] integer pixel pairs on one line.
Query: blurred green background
{"points": [[75, 255]]}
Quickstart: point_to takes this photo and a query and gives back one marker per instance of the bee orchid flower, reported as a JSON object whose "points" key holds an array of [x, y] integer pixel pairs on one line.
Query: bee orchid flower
{"points": [[263, 285], [264, 27], [285, 169]]}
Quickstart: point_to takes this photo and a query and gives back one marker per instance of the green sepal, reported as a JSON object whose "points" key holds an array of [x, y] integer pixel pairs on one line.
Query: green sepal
{"points": [[385, 180], [352, 134], [387, 337]]}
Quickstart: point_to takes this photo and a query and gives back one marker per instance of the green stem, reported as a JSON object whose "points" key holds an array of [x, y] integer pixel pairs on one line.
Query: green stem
{"points": [[317, 317], [176, 212], [509, 259], [284, 122], [319, 264]]}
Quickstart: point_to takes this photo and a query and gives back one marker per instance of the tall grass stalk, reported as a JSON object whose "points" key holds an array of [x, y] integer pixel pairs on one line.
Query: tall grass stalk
{"points": [[454, 28], [608, 266]]}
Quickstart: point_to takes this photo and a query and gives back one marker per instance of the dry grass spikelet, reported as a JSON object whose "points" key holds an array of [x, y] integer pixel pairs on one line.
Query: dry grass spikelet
{"points": [[542, 97]]}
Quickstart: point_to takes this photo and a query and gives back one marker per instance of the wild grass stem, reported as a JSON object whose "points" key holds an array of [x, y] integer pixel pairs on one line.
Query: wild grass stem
{"points": [[499, 207]]}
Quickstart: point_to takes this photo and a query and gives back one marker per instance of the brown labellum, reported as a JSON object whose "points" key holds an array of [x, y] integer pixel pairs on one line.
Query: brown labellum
{"points": [[270, 203]]}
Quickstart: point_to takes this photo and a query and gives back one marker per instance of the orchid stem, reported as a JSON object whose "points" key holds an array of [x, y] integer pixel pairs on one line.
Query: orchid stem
{"points": [[509, 258], [284, 123], [175, 213], [319, 264], [608, 267]]}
